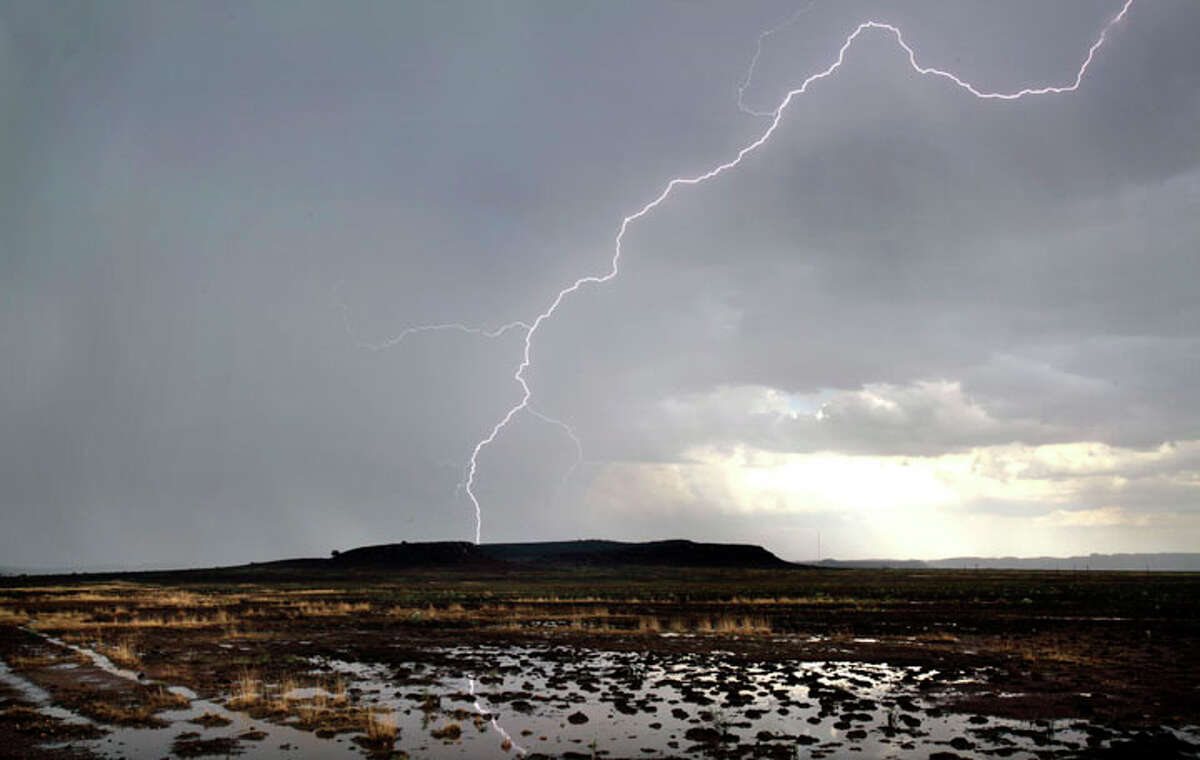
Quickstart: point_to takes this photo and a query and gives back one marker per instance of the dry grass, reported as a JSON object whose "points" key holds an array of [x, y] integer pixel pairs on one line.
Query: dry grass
{"points": [[121, 653], [70, 620], [449, 732], [337, 695], [382, 728], [330, 609], [657, 625], [600, 620], [166, 597], [737, 624], [218, 618], [33, 661], [570, 599], [282, 703], [247, 691], [1040, 650], [331, 712], [793, 600], [13, 617], [238, 613], [97, 591], [116, 618], [328, 708], [453, 611], [163, 699], [124, 715], [312, 712], [210, 719], [244, 614], [93, 596], [141, 713], [722, 624]]}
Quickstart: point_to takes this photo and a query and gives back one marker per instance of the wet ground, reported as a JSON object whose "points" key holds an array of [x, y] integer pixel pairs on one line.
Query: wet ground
{"points": [[132, 670], [559, 701]]}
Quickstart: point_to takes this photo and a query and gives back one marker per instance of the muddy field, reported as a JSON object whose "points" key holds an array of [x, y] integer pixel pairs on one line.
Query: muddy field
{"points": [[609, 663]]}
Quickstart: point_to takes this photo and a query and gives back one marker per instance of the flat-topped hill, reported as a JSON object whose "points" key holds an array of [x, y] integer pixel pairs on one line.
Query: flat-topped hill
{"points": [[418, 554], [677, 552], [464, 556]]}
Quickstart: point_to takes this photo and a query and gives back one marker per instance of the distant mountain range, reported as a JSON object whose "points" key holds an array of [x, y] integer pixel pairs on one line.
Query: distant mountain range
{"points": [[1175, 561]]}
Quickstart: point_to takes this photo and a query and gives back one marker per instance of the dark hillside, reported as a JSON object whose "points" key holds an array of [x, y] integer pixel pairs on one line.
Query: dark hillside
{"points": [[422, 554], [464, 556], [679, 553]]}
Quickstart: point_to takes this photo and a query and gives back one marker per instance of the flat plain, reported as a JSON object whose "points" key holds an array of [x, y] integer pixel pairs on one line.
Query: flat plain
{"points": [[611, 662]]}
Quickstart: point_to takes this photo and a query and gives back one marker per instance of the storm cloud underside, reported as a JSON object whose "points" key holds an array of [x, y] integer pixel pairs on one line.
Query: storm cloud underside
{"points": [[986, 310]]}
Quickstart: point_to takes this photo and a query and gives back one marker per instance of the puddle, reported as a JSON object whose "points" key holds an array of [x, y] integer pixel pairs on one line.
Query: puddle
{"points": [[269, 740], [358, 670], [36, 696], [28, 691], [276, 740], [493, 720], [547, 700]]}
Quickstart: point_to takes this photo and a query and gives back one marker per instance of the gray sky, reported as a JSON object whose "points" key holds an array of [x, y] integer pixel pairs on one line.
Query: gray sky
{"points": [[920, 323]]}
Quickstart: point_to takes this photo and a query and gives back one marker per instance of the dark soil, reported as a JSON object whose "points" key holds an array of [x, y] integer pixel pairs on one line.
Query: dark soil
{"points": [[23, 729]]}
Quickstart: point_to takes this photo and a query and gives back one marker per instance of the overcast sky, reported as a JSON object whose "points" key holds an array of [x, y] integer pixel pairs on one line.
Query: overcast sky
{"points": [[919, 323]]}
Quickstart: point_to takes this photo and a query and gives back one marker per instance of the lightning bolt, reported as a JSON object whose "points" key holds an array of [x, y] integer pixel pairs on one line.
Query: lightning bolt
{"points": [[530, 328], [758, 48], [570, 433], [400, 336], [454, 326], [462, 484], [776, 117]]}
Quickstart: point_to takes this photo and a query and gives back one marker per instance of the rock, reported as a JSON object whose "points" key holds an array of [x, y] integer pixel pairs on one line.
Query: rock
{"points": [[703, 735], [1146, 745], [577, 718]]}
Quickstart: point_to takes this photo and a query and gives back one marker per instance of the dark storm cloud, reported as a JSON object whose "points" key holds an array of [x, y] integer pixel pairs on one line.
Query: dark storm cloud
{"points": [[196, 191]]}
